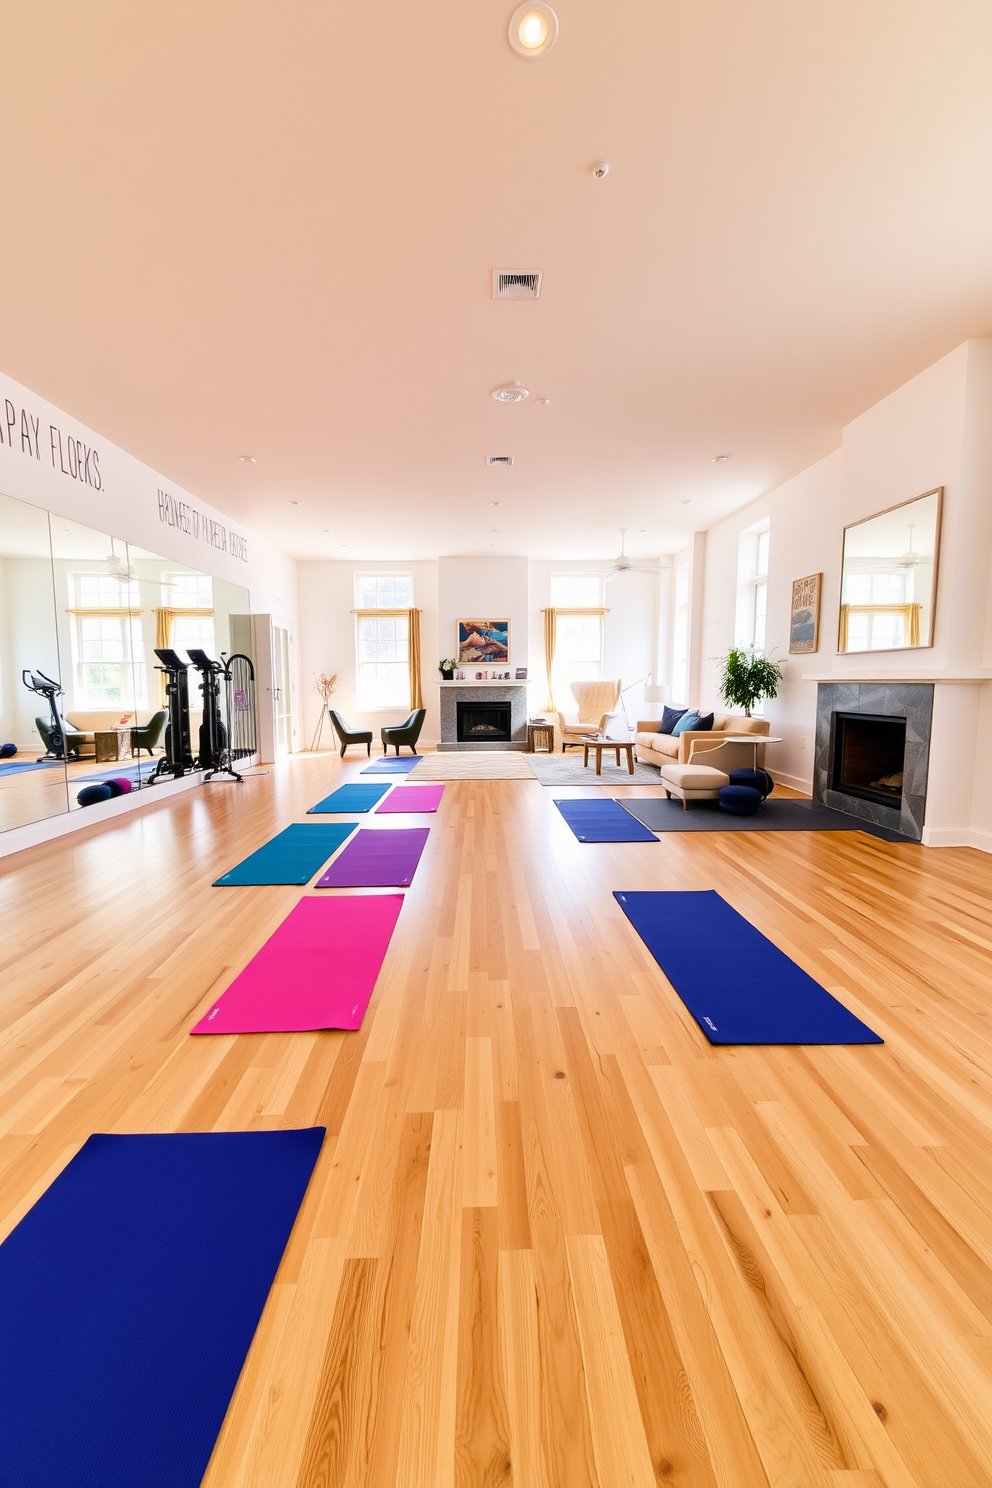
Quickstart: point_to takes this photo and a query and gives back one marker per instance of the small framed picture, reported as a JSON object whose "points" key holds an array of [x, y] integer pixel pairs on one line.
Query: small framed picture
{"points": [[804, 625], [521, 674]]}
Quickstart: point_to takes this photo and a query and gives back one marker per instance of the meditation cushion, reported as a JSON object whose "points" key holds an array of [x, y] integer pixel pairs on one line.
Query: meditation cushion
{"points": [[740, 800], [758, 780], [669, 718], [687, 721], [91, 794], [119, 785], [6, 750]]}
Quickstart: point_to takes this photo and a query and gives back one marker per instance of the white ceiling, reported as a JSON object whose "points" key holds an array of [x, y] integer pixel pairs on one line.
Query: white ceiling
{"points": [[269, 229]]}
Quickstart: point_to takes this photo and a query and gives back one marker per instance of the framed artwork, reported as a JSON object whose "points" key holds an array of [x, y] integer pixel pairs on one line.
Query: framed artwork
{"points": [[486, 641], [804, 626]]}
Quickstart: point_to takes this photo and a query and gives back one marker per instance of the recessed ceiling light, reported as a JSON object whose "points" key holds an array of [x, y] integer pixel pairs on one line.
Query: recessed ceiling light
{"points": [[292, 503], [717, 459], [492, 503], [247, 459], [687, 501], [510, 392], [533, 29]]}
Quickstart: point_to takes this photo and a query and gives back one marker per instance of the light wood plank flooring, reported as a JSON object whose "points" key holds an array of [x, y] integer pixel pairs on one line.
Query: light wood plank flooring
{"points": [[554, 1239]]}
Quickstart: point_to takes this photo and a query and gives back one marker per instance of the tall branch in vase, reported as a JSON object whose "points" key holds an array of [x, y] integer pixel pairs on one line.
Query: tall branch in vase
{"points": [[324, 684]]}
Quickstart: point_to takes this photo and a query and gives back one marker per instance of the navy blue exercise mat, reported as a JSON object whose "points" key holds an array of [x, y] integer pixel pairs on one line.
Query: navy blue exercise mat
{"points": [[291, 856], [393, 764], [739, 987], [129, 1296], [354, 797], [602, 821]]}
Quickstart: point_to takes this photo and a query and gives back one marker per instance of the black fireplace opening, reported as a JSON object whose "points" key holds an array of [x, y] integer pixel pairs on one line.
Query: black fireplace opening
{"points": [[480, 723], [869, 756]]}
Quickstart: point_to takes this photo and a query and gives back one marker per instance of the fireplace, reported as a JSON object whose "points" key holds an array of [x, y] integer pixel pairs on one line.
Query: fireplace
{"points": [[869, 757], [484, 722]]}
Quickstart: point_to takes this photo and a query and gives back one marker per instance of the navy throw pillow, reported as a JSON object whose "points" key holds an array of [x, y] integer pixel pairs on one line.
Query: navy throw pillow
{"points": [[686, 722], [669, 718], [704, 722]]}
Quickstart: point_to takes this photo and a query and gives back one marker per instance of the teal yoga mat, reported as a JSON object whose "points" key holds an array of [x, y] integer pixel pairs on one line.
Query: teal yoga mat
{"points": [[351, 798], [291, 857]]}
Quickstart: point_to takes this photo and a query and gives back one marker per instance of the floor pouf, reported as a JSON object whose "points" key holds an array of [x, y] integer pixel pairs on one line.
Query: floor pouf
{"points": [[740, 800], [6, 750], [91, 794], [119, 785], [758, 780]]}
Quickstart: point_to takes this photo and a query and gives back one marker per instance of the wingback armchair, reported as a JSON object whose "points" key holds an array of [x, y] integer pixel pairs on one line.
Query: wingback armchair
{"points": [[596, 707]]}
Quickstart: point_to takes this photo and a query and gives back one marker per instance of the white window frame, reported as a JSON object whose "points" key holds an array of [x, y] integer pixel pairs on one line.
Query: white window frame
{"points": [[123, 620], [680, 636], [369, 672]]}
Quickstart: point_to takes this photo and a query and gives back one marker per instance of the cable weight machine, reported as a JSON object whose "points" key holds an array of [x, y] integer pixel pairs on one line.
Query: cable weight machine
{"points": [[224, 743]]}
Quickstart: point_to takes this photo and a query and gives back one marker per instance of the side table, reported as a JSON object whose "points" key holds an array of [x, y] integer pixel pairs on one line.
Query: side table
{"points": [[540, 738], [113, 744]]}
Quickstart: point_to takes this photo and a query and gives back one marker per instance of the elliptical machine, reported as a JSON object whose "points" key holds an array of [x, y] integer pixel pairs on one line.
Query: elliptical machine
{"points": [[61, 734], [178, 757]]}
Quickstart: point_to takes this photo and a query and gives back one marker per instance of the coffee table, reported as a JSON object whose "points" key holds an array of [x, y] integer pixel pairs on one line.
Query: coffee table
{"points": [[599, 742], [112, 744]]}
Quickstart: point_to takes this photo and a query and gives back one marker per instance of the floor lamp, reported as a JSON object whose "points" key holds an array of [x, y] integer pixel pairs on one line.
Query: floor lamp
{"points": [[652, 695]]}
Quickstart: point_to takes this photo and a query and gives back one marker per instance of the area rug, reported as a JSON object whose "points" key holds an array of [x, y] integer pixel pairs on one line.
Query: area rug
{"points": [[291, 857], [411, 800], [739, 987], [602, 820], [774, 816], [354, 797], [129, 1297], [316, 971], [381, 859], [567, 769], [475, 764]]}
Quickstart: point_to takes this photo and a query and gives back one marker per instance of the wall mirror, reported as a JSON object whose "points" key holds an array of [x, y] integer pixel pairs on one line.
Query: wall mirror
{"points": [[889, 577]]}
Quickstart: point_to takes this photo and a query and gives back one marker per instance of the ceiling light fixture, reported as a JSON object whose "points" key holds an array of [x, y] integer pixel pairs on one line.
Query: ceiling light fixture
{"points": [[601, 169], [492, 503], [533, 29], [544, 402], [247, 459], [717, 459], [292, 503], [510, 392]]}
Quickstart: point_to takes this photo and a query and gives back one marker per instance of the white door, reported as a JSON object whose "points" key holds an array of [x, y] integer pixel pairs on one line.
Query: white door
{"points": [[282, 690]]}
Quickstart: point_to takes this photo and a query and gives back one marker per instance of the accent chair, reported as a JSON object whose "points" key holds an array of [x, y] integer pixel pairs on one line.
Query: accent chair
{"points": [[348, 735], [147, 735], [407, 732], [596, 706]]}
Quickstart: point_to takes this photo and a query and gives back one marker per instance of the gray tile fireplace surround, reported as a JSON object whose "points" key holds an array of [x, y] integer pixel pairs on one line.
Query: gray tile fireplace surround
{"points": [[515, 696], [910, 700]]}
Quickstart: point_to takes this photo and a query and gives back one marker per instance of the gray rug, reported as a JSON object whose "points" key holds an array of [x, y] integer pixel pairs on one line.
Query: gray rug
{"points": [[775, 816], [567, 769]]}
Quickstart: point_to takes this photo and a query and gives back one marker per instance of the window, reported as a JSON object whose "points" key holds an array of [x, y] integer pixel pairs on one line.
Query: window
{"points": [[107, 645], [383, 641], [680, 636], [579, 640], [193, 630], [759, 606], [189, 591]]}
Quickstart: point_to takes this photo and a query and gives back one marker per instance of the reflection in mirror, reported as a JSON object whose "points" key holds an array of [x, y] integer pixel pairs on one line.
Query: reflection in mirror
{"points": [[889, 578], [32, 774]]}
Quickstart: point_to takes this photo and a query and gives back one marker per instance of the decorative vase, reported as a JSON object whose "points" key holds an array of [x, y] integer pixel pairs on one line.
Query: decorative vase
{"points": [[447, 674]]}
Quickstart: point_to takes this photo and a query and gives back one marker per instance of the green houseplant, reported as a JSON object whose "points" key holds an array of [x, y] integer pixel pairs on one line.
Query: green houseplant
{"points": [[748, 677], [447, 668]]}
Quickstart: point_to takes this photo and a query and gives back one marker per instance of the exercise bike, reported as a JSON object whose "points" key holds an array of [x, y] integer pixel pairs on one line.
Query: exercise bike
{"points": [[178, 757], [59, 743]]}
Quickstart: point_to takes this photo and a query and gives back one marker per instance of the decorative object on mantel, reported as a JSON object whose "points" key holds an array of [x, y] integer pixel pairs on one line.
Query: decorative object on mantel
{"points": [[521, 674], [324, 684], [889, 577], [447, 668], [483, 641], [804, 625], [748, 677]]}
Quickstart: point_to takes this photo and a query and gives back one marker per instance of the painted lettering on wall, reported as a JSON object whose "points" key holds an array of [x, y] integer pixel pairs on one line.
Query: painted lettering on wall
{"points": [[187, 519], [74, 457]]}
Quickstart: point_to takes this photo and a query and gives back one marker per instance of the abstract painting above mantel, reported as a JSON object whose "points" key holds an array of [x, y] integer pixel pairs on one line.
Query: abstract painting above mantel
{"points": [[485, 641]]}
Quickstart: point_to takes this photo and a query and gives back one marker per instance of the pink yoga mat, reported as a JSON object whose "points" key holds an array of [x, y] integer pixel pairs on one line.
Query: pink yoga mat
{"points": [[412, 798], [316, 971]]}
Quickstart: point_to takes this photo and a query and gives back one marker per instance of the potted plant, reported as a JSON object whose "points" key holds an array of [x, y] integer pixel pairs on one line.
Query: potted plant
{"points": [[447, 668], [748, 677]]}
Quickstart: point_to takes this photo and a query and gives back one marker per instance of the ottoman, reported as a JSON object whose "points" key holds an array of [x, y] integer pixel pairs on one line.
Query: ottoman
{"points": [[740, 800], [693, 782]]}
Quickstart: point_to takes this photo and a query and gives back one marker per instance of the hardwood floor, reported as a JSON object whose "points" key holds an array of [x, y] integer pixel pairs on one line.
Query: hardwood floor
{"points": [[554, 1238]]}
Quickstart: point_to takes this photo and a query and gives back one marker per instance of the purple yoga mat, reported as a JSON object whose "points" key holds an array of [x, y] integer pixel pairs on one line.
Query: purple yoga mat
{"points": [[412, 798], [386, 858]]}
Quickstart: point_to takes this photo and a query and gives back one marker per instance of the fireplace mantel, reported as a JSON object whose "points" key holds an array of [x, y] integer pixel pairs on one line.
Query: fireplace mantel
{"points": [[514, 693], [473, 683]]}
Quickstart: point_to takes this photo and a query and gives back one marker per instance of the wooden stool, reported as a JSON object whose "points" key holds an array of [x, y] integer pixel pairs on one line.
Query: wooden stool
{"points": [[540, 738]]}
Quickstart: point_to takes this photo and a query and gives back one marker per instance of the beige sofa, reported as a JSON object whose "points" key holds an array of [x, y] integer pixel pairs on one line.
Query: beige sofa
{"points": [[653, 748]]}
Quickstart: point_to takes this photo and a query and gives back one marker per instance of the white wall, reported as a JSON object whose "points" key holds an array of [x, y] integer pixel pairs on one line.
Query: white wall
{"points": [[483, 589]]}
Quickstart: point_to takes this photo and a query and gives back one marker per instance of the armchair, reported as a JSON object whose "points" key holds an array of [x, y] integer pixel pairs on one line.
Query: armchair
{"points": [[147, 735], [407, 732], [347, 735], [596, 707]]}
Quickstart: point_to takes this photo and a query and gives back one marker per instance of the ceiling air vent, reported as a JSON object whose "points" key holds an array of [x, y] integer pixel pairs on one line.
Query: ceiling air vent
{"points": [[517, 284], [499, 459]]}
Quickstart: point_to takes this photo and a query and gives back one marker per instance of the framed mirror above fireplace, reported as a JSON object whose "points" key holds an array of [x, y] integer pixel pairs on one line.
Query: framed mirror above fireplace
{"points": [[889, 577]]}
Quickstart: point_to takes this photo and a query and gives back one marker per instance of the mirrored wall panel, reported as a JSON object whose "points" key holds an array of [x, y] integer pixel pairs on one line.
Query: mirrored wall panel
{"points": [[889, 578]]}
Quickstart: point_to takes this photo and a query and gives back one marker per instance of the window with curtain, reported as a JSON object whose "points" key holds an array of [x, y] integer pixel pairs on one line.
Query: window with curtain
{"points": [[189, 591], [680, 637], [382, 642], [580, 639], [107, 645]]}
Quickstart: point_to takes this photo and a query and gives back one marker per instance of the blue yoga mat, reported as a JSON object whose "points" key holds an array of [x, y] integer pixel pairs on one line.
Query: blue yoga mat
{"points": [[18, 767], [351, 798], [134, 773], [129, 1296], [739, 987], [603, 821], [291, 857], [396, 764]]}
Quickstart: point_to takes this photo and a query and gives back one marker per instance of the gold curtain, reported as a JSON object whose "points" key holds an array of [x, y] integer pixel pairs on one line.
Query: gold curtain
{"points": [[163, 638], [842, 628], [416, 696], [910, 613], [550, 637]]}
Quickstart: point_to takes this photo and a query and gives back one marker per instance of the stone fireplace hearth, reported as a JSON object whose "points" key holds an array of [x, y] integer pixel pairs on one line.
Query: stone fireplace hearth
{"points": [[873, 751], [490, 702]]}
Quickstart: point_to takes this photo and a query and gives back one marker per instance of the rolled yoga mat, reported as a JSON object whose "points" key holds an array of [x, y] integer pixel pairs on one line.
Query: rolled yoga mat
{"points": [[316, 971], [377, 859], [357, 798], [129, 1296], [291, 857], [400, 764], [602, 821], [410, 799], [739, 987]]}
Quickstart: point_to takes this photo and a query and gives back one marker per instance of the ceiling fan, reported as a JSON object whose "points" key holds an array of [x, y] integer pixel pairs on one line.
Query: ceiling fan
{"points": [[625, 564]]}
